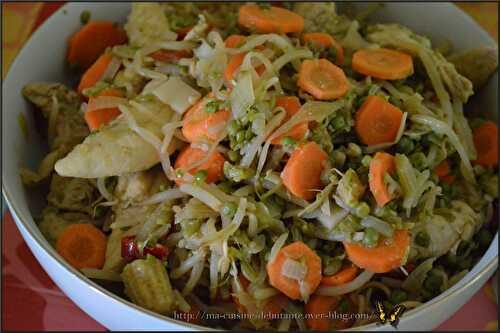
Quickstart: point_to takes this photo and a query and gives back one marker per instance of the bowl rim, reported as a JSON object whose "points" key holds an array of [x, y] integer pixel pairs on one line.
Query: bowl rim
{"points": [[23, 220]]}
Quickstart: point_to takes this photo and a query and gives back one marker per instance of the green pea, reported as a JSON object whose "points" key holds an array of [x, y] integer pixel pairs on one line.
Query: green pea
{"points": [[362, 210], [200, 176], [418, 160], [331, 265], [353, 150], [179, 173], [339, 158], [484, 238], [405, 145], [338, 122], [85, 17], [234, 156], [370, 239], [433, 283], [422, 239], [229, 209], [288, 141], [212, 106], [366, 160], [398, 296]]}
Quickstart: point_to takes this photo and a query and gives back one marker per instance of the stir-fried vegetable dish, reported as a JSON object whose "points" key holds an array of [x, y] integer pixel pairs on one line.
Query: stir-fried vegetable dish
{"points": [[266, 160]]}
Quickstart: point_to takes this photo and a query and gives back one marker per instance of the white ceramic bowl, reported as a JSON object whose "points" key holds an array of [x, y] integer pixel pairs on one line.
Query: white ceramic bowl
{"points": [[42, 59]]}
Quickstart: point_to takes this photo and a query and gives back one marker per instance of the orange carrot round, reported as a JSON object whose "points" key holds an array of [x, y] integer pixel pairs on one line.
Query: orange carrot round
{"points": [[272, 20], [291, 104], [214, 166], [95, 72], [442, 170], [345, 275], [385, 64], [486, 143], [91, 40], [322, 79], [386, 256], [302, 173], [83, 246], [96, 118], [377, 121], [199, 125], [170, 56], [381, 164], [318, 309], [324, 40], [234, 41], [297, 251]]}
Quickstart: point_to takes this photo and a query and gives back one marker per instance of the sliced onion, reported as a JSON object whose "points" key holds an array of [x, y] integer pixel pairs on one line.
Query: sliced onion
{"points": [[294, 270], [381, 226], [342, 204], [105, 102], [346, 288], [178, 94], [187, 264], [170, 194], [277, 246], [101, 186], [112, 69], [204, 196], [331, 221]]}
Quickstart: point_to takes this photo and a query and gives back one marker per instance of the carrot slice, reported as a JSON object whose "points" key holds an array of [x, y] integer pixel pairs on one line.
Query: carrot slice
{"points": [[377, 121], [442, 170], [95, 72], [318, 309], [291, 104], [324, 40], [199, 125], [214, 166], [297, 251], [91, 40], [274, 305], [322, 79], [272, 20], [385, 64], [82, 245], [182, 32], [486, 143], [386, 256], [234, 41], [96, 118], [345, 275], [381, 164], [170, 56], [302, 173]]}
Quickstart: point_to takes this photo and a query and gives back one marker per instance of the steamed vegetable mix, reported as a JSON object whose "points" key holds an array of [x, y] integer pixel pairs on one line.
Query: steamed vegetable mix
{"points": [[266, 160]]}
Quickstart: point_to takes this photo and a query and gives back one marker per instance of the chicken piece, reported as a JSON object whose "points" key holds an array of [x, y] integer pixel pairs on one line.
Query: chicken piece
{"points": [[399, 37], [117, 149], [66, 125], [75, 194], [54, 222], [476, 64], [446, 228], [321, 16], [147, 24]]}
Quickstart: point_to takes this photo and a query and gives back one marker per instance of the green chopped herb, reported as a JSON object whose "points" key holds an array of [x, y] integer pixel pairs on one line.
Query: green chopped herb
{"points": [[85, 17], [288, 141], [212, 106], [370, 238], [200, 176]]}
